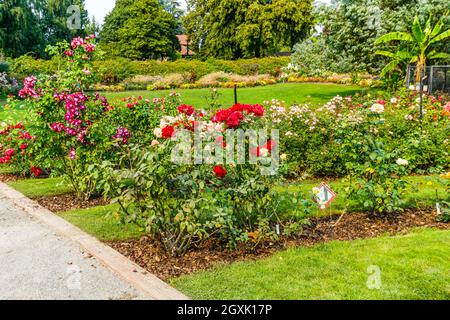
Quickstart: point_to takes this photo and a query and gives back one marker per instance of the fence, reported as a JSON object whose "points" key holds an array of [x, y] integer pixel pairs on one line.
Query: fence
{"points": [[437, 78]]}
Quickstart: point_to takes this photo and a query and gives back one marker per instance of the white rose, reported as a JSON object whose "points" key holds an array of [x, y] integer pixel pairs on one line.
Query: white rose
{"points": [[264, 152], [155, 143], [158, 132], [377, 108], [394, 100], [402, 162]]}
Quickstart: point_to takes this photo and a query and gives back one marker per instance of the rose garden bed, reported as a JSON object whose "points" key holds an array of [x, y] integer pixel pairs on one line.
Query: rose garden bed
{"points": [[149, 254], [175, 216]]}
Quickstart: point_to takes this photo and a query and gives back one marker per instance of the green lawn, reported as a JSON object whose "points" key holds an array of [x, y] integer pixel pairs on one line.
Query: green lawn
{"points": [[101, 223], [415, 266], [35, 188], [421, 192], [11, 114], [289, 92]]}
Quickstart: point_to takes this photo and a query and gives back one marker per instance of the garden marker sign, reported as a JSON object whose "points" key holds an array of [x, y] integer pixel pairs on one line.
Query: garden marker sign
{"points": [[324, 196]]}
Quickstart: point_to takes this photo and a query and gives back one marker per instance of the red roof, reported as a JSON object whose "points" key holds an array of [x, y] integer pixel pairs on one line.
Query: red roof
{"points": [[184, 45]]}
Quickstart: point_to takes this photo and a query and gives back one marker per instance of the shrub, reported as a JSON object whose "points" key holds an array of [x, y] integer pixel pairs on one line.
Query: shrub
{"points": [[313, 138], [168, 82], [375, 175], [4, 66], [15, 145], [141, 80], [113, 71], [181, 203], [221, 78]]}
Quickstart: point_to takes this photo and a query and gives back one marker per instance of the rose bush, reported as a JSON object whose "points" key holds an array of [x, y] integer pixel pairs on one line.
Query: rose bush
{"points": [[182, 202], [312, 138], [15, 145]]}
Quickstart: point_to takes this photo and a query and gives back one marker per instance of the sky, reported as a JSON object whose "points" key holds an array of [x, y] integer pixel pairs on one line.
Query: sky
{"points": [[100, 8]]}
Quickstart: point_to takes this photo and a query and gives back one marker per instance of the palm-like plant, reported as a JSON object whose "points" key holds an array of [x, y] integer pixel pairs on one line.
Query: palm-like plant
{"points": [[420, 49]]}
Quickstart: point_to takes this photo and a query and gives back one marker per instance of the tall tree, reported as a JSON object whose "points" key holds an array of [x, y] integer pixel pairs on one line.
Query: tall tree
{"points": [[19, 27], [174, 8], [351, 27], [27, 26], [140, 29], [63, 19], [246, 28]]}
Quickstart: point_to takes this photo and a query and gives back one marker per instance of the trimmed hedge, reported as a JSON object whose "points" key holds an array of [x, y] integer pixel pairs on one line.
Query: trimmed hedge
{"points": [[118, 69]]}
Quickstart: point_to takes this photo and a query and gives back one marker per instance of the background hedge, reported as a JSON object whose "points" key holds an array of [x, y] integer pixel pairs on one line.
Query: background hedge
{"points": [[118, 69]]}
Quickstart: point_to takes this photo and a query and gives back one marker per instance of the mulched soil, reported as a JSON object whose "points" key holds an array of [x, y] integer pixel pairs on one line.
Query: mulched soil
{"points": [[6, 177], [66, 202], [149, 254]]}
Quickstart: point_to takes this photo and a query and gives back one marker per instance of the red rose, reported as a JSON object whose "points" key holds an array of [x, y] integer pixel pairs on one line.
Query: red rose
{"points": [[9, 153], [234, 119], [23, 146], [271, 144], [187, 110], [167, 132], [36, 171], [256, 152], [221, 115], [258, 110], [220, 172]]}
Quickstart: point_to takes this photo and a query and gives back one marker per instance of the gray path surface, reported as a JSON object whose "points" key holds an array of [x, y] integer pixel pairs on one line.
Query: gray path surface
{"points": [[38, 264]]}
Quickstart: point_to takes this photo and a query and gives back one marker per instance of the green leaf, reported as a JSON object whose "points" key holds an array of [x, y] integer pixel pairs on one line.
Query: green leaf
{"points": [[386, 54], [395, 36], [442, 36], [389, 67], [437, 29], [438, 55], [417, 30]]}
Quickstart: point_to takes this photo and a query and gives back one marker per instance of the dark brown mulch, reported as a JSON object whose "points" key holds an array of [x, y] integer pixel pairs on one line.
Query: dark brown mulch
{"points": [[149, 255], [66, 202], [7, 177]]}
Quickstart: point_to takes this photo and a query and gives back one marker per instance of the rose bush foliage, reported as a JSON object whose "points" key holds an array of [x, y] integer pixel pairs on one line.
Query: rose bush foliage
{"points": [[183, 203]]}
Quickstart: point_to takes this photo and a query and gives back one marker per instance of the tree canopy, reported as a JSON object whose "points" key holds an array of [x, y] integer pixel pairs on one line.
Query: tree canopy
{"points": [[233, 29], [140, 29], [27, 26], [351, 27]]}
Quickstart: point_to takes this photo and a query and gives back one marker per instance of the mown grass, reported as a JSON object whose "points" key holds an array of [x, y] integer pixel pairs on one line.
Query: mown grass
{"points": [[35, 188], [102, 223], [421, 192], [414, 266], [12, 114], [288, 92]]}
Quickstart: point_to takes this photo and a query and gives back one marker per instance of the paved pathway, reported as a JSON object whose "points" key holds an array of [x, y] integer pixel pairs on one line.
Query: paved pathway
{"points": [[37, 263]]}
